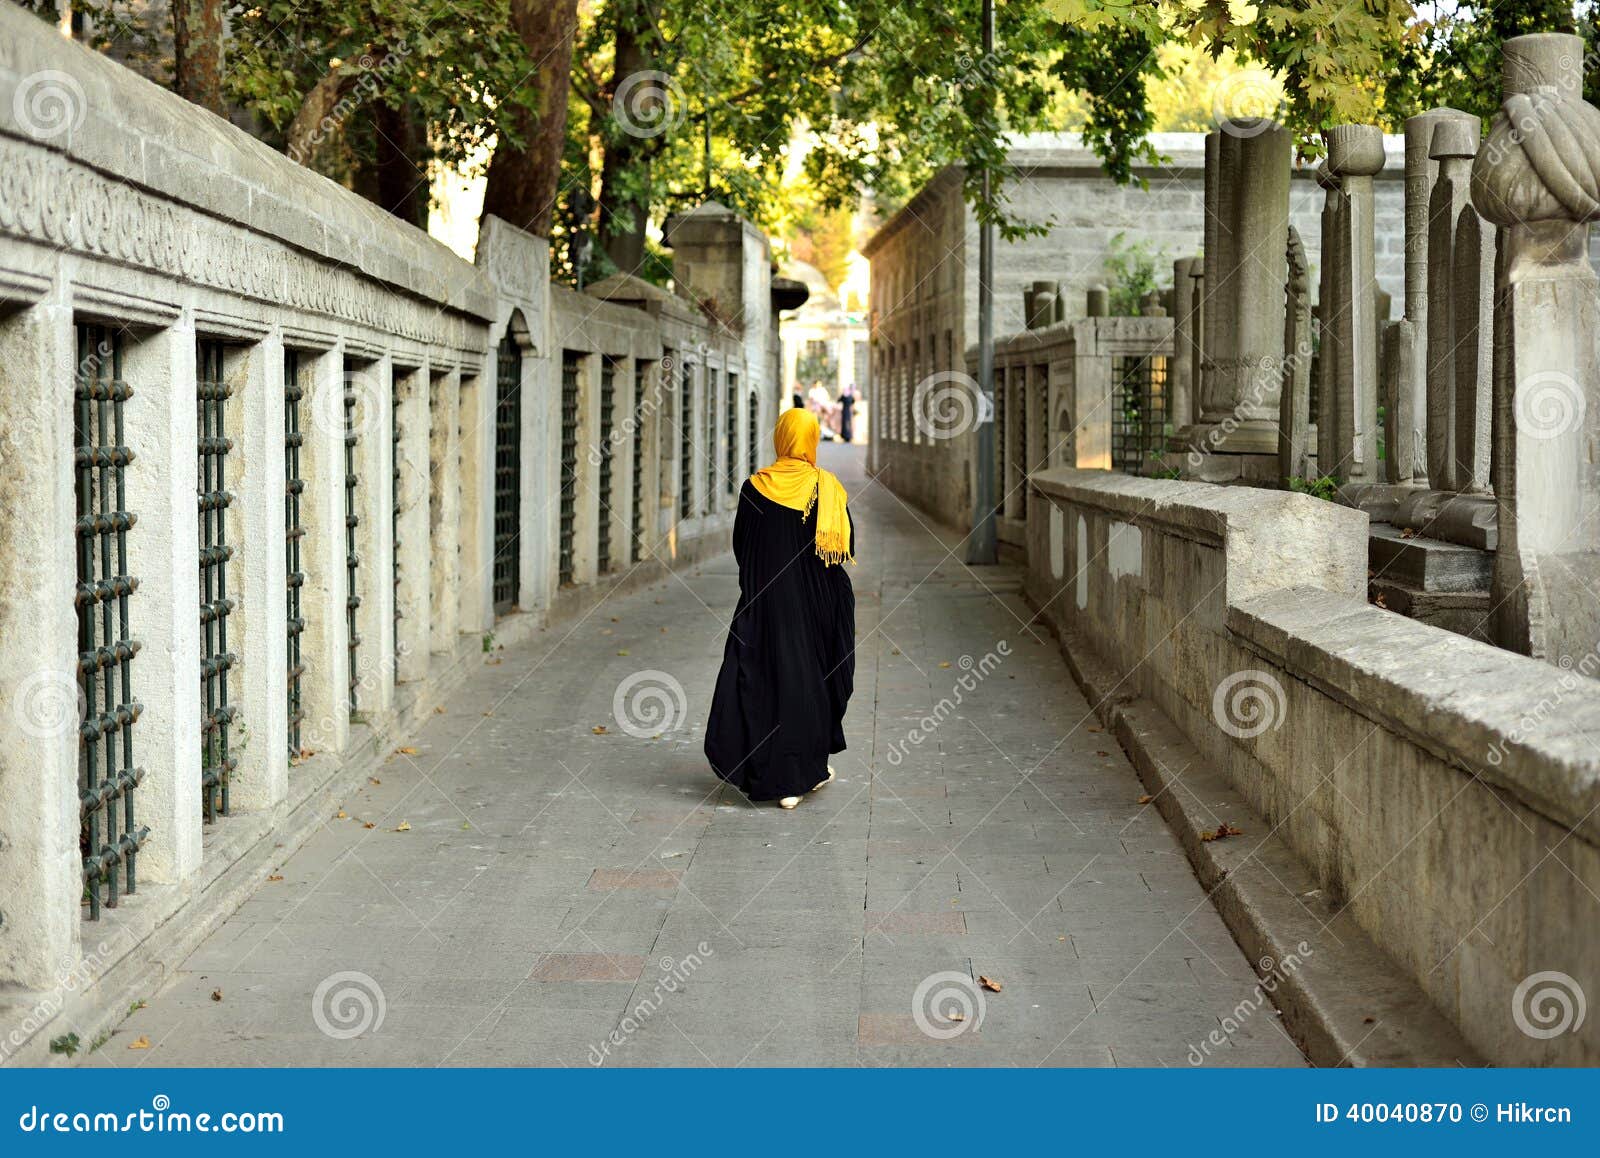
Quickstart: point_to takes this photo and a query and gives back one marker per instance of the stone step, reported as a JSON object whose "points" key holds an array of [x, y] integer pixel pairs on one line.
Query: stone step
{"points": [[1425, 564], [1463, 612]]}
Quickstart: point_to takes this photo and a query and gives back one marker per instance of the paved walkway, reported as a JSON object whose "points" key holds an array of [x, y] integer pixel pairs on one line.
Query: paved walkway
{"points": [[537, 885]]}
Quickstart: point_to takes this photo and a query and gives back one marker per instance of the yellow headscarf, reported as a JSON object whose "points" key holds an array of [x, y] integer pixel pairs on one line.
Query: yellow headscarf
{"points": [[797, 482]]}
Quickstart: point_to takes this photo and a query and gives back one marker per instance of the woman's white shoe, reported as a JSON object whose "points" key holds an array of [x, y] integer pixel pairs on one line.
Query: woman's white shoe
{"points": [[826, 782], [789, 802]]}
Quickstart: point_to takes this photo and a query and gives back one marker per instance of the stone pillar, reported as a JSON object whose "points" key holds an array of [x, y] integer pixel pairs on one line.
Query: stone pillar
{"points": [[1180, 372], [1355, 153], [1472, 344], [1455, 140], [444, 509], [412, 554], [1421, 174], [1400, 426], [1041, 305], [1294, 405], [1240, 407], [1209, 264], [1327, 338], [1536, 178], [325, 686], [41, 869], [1097, 303]]}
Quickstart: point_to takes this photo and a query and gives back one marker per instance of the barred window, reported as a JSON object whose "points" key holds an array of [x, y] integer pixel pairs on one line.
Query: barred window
{"points": [[216, 661], [293, 488], [685, 443], [710, 445], [608, 391], [109, 836], [730, 418], [352, 523], [641, 372], [507, 473], [569, 462]]}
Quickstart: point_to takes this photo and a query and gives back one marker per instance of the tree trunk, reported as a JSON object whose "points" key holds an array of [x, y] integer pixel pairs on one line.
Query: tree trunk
{"points": [[627, 160], [197, 51], [522, 183], [400, 168]]}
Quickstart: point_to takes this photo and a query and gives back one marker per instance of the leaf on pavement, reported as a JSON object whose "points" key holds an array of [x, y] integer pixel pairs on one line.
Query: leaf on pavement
{"points": [[140, 1042], [403, 826], [598, 729], [988, 983], [1146, 798]]}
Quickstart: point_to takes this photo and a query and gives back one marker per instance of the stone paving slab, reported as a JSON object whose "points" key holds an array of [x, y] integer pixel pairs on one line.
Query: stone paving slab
{"points": [[534, 892]]}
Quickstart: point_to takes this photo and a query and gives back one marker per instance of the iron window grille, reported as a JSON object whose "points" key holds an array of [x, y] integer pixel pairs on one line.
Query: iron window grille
{"points": [[1001, 432], [396, 433], [685, 443], [712, 383], [1025, 392], [1139, 415], [109, 837], [752, 445], [294, 532], [352, 524], [216, 661], [730, 419], [608, 388], [507, 474], [569, 462], [636, 512]]}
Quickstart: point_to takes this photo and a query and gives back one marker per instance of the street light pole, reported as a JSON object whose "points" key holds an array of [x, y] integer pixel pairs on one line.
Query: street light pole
{"points": [[981, 546]]}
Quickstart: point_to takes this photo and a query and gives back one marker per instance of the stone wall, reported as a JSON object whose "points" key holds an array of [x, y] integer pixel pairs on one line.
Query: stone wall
{"points": [[144, 240], [1442, 792]]}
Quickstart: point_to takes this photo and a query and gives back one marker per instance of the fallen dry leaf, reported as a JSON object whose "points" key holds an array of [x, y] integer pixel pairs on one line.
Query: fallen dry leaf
{"points": [[341, 815], [624, 651], [369, 824], [614, 619], [275, 877], [1095, 728], [406, 751], [946, 663], [439, 711], [488, 713], [216, 995], [373, 780], [598, 729], [1146, 798], [1102, 755], [1221, 832], [492, 662], [403, 826], [988, 983], [140, 1042]]}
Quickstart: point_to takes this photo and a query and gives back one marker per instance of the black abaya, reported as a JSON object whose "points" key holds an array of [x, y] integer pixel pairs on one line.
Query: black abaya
{"points": [[789, 665]]}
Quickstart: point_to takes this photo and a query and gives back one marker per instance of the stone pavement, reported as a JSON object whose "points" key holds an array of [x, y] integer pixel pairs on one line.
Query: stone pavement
{"points": [[534, 884]]}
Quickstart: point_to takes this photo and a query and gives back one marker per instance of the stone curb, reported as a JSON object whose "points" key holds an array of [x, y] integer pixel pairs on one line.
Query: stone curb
{"points": [[1345, 1003]]}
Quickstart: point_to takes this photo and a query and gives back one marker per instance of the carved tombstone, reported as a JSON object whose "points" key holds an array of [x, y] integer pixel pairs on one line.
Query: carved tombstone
{"points": [[1294, 404], [1327, 340], [1184, 343], [1537, 177], [1455, 141], [1355, 154]]}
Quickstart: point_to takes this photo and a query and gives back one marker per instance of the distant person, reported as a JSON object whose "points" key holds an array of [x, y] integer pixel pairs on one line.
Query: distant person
{"points": [[789, 664], [847, 412], [799, 400], [822, 406]]}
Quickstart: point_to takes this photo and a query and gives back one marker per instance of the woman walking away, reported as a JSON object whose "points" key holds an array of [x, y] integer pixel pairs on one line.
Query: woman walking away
{"points": [[790, 662]]}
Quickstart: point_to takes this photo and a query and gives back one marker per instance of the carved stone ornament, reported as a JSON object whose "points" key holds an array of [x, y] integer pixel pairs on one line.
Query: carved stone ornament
{"points": [[1541, 161]]}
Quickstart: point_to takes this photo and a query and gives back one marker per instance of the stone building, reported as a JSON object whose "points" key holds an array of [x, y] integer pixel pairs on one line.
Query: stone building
{"points": [[925, 274], [402, 460]]}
